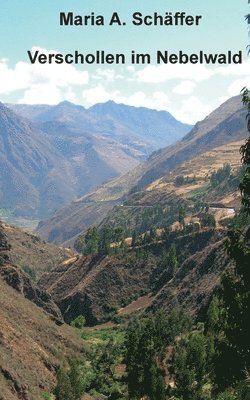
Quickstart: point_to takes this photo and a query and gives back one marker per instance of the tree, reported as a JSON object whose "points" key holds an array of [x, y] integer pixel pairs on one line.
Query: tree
{"points": [[233, 348], [79, 322], [91, 241], [105, 240], [179, 180], [134, 239], [182, 215], [73, 380], [152, 234], [63, 390], [146, 342], [144, 377], [220, 175], [208, 220], [170, 261], [104, 363], [118, 234], [192, 365]]}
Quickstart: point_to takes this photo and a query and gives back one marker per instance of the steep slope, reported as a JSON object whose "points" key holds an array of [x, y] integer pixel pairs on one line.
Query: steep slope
{"points": [[138, 127], [158, 204], [195, 281], [15, 277], [32, 347], [51, 155], [97, 287], [30, 252], [159, 128], [33, 339], [225, 125], [33, 176]]}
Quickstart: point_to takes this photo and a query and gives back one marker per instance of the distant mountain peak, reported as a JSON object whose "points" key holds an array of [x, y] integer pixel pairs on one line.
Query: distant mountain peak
{"points": [[225, 125], [66, 103], [50, 155]]}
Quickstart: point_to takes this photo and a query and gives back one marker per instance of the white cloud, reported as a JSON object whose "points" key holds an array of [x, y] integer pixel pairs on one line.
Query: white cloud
{"points": [[98, 94], [46, 94], [157, 100], [41, 83], [195, 73], [222, 99], [106, 75], [191, 110], [185, 87], [161, 87], [236, 86], [164, 73], [11, 79], [234, 69]]}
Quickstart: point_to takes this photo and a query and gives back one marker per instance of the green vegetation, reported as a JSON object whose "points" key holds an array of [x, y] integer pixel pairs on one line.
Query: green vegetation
{"points": [[181, 180], [222, 182], [208, 220], [102, 336], [220, 175], [79, 322], [169, 260], [206, 361], [31, 272], [182, 214], [97, 372], [198, 193], [47, 396], [192, 366], [209, 360], [107, 240]]}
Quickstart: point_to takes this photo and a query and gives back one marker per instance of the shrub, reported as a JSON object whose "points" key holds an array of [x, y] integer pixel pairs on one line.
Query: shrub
{"points": [[79, 322]]}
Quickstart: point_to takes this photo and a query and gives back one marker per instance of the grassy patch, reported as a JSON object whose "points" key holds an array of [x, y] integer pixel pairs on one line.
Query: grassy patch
{"points": [[197, 193], [102, 336]]}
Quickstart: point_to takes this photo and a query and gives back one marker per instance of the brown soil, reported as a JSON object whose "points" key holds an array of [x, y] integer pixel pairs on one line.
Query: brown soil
{"points": [[31, 347], [28, 250], [139, 304]]}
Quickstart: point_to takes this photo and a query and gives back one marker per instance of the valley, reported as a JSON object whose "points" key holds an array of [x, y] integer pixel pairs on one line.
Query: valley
{"points": [[51, 155], [218, 133], [138, 270]]}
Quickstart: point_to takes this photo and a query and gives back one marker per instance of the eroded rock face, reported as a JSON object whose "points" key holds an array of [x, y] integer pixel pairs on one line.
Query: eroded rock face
{"points": [[99, 286], [19, 280], [4, 246], [32, 347], [95, 287], [196, 280]]}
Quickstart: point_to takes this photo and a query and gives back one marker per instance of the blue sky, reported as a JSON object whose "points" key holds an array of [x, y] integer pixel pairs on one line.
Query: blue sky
{"points": [[189, 92]]}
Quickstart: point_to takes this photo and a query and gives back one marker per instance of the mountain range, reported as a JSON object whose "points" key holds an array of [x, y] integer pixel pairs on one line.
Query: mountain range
{"points": [[43, 286], [50, 155], [224, 125]]}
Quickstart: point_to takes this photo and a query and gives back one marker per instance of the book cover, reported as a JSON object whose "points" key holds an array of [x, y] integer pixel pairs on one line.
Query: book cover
{"points": [[125, 160]]}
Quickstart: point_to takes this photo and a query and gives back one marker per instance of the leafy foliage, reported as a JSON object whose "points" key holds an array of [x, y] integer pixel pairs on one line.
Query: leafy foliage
{"points": [[146, 340], [79, 322], [220, 175], [208, 220], [169, 260], [192, 365], [182, 180]]}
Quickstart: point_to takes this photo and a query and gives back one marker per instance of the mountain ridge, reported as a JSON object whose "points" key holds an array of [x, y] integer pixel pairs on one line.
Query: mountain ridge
{"points": [[227, 125], [51, 155]]}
